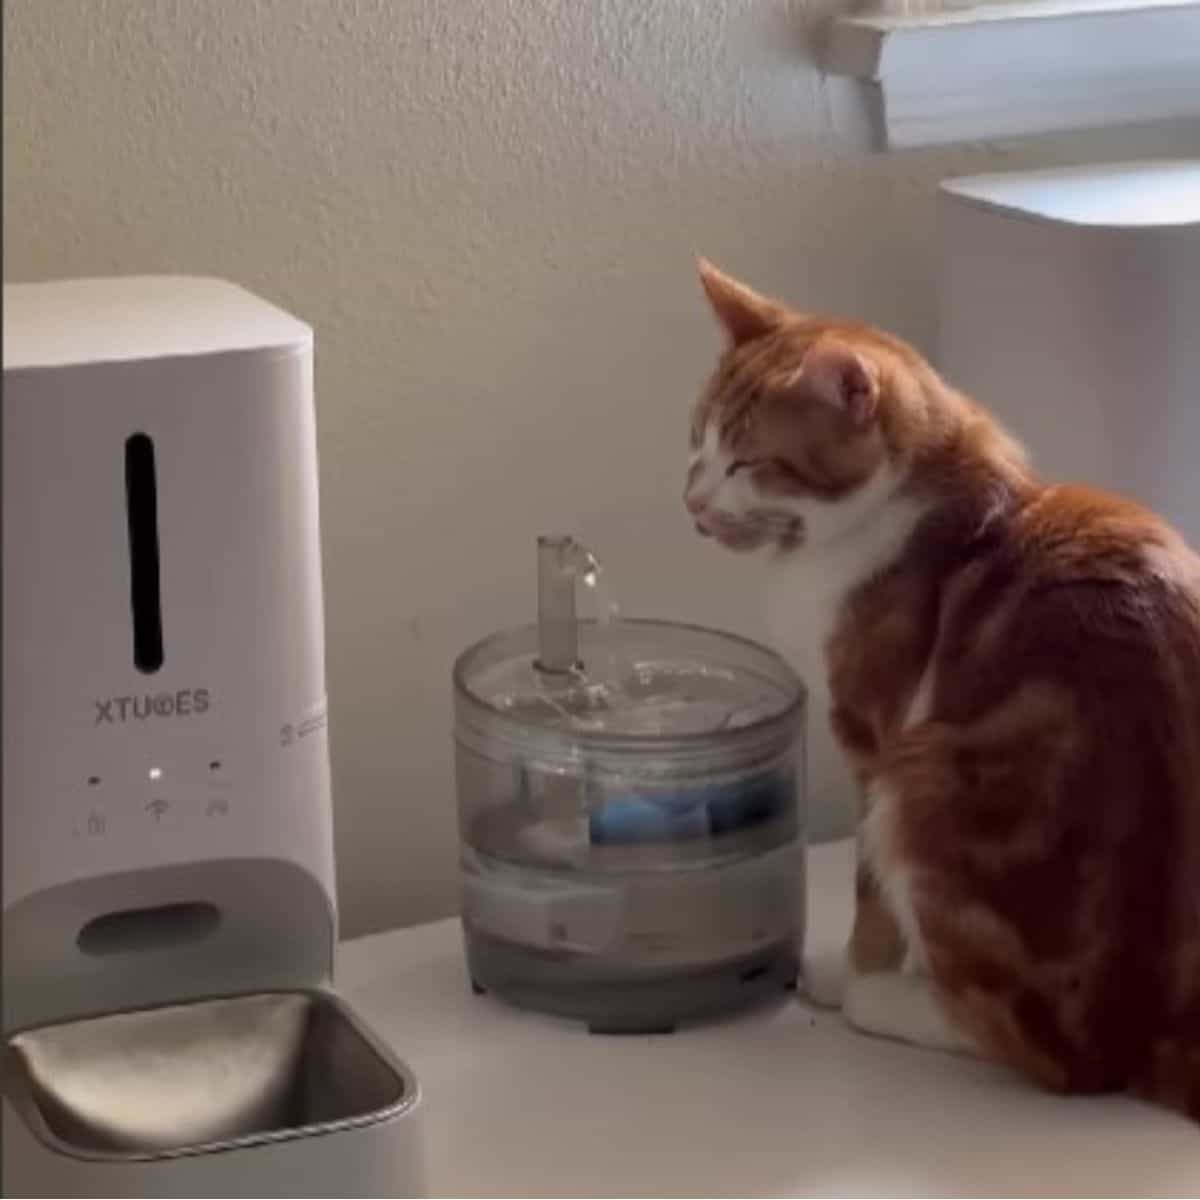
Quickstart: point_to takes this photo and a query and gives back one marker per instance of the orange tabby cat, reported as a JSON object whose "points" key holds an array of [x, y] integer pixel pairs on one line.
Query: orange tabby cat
{"points": [[1013, 669]]}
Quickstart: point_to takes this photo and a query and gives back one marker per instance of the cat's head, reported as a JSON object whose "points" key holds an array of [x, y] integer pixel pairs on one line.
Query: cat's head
{"points": [[793, 441]]}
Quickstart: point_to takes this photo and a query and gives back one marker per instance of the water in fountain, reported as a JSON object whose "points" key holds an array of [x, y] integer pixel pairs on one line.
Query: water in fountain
{"points": [[616, 690]]}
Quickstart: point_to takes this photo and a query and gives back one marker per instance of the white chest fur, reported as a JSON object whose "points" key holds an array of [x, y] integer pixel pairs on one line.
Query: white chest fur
{"points": [[848, 543], [806, 594], [807, 587]]}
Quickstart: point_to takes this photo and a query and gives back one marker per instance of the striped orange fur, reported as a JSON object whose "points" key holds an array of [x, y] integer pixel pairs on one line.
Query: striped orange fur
{"points": [[1013, 668]]}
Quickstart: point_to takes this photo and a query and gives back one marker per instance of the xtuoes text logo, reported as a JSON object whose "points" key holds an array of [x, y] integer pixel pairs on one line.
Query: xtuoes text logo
{"points": [[187, 702]]}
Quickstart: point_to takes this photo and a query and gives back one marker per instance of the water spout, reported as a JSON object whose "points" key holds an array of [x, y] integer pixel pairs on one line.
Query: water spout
{"points": [[562, 564], [561, 560]]}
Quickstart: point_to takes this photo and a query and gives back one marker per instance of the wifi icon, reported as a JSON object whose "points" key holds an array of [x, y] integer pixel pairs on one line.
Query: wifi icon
{"points": [[157, 807]]}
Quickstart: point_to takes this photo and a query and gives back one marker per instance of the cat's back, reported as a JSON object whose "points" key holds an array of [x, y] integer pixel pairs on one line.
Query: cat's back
{"points": [[1076, 534], [1068, 670], [1117, 590], [1095, 600]]}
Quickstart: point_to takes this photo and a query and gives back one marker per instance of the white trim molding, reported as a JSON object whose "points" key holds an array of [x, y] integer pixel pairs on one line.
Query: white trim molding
{"points": [[955, 72]]}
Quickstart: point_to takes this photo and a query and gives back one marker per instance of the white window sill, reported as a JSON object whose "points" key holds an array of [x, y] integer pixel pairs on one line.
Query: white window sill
{"points": [[1012, 70]]}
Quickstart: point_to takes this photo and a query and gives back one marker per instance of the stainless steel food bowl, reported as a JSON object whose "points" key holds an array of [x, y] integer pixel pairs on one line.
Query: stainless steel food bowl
{"points": [[263, 1094]]}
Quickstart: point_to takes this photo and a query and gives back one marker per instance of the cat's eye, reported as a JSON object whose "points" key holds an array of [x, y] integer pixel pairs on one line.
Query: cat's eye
{"points": [[740, 464]]}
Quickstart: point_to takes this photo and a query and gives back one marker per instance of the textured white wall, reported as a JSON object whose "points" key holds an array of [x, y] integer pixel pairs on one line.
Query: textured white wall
{"points": [[488, 209]]}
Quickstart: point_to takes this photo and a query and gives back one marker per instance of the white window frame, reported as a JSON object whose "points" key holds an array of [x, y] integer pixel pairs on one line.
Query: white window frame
{"points": [[958, 72]]}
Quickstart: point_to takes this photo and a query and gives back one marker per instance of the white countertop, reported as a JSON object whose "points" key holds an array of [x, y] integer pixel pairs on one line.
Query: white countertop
{"points": [[783, 1101]]}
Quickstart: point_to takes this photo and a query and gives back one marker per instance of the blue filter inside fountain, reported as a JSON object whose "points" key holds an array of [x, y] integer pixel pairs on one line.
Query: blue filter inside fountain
{"points": [[699, 812]]}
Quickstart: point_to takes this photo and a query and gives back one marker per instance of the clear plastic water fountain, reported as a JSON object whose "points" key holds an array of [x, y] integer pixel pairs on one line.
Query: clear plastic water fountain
{"points": [[630, 811]]}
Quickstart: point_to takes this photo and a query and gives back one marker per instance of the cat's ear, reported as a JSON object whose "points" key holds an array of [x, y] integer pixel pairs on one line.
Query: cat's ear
{"points": [[743, 313], [835, 372]]}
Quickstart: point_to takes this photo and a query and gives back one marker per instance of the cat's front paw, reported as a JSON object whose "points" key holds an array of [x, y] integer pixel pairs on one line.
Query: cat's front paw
{"points": [[901, 1006], [824, 977]]}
